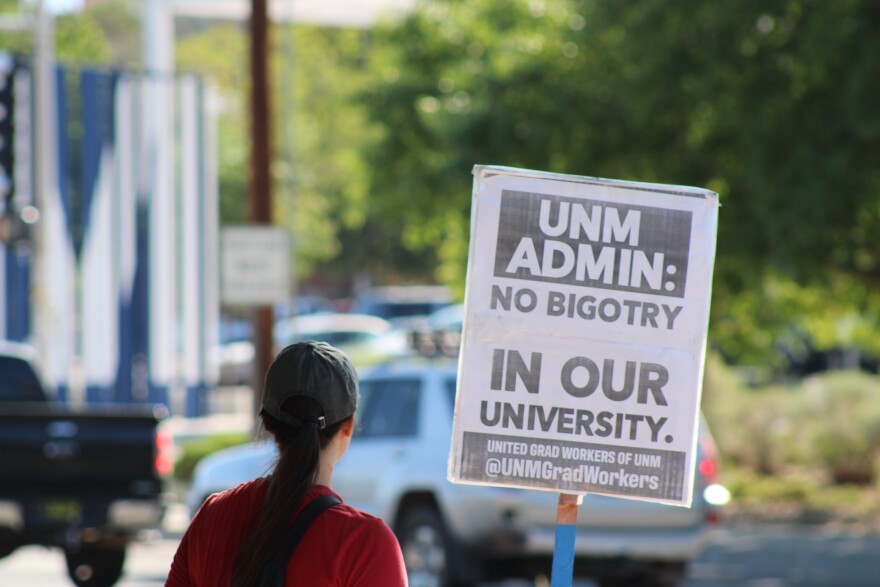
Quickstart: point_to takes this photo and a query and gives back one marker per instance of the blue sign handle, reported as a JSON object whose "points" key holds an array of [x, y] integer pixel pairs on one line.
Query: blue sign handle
{"points": [[566, 531], [563, 556]]}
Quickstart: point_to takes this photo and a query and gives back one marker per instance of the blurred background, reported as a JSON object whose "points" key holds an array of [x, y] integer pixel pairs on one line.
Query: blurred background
{"points": [[377, 113]]}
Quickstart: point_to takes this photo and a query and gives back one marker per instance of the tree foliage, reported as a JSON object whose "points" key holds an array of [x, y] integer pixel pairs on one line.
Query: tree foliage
{"points": [[322, 184], [219, 54], [79, 38], [770, 104]]}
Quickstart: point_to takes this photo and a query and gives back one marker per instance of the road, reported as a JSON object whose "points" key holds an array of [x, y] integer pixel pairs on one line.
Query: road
{"points": [[766, 556]]}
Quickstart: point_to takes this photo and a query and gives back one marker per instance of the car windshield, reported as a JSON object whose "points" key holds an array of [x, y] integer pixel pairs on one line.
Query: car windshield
{"points": [[18, 382], [388, 408]]}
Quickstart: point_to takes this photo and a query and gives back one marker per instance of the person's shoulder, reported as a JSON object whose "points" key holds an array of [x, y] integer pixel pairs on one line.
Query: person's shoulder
{"points": [[241, 491], [360, 522], [353, 520], [236, 497], [355, 515], [371, 550]]}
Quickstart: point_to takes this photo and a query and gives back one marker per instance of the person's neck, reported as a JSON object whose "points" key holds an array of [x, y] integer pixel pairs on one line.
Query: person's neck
{"points": [[325, 472]]}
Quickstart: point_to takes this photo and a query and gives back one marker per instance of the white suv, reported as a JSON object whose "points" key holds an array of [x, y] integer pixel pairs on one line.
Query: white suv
{"points": [[453, 534]]}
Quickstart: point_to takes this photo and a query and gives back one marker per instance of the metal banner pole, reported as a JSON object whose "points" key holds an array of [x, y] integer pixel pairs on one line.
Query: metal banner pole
{"points": [[566, 530]]}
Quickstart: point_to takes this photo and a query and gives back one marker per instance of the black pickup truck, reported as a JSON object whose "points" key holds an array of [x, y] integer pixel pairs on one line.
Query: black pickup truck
{"points": [[85, 480]]}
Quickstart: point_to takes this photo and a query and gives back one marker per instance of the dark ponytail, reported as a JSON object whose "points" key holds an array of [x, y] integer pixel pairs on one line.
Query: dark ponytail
{"points": [[294, 475]]}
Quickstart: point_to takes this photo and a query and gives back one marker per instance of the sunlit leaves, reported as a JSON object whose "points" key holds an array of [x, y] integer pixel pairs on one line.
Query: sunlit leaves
{"points": [[772, 105]]}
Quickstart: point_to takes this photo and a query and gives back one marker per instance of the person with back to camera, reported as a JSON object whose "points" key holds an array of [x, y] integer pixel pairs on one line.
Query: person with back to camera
{"points": [[242, 537]]}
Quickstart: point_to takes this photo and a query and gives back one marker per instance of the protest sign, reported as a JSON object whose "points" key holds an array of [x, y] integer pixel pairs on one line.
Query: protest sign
{"points": [[584, 337]]}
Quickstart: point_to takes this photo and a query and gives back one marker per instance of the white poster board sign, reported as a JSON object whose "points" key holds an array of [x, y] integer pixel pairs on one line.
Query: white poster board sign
{"points": [[586, 314], [255, 265]]}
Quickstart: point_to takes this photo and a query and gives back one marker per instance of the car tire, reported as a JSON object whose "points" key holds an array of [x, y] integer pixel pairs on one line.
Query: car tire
{"points": [[430, 554], [95, 566]]}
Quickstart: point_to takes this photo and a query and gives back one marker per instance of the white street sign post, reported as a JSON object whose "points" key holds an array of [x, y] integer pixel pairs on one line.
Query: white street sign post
{"points": [[586, 314], [255, 266]]}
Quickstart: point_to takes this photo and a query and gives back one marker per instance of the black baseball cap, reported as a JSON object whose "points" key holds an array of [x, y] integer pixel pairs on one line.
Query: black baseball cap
{"points": [[315, 370]]}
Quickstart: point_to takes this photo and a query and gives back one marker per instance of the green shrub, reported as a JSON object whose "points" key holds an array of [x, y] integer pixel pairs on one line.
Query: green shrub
{"points": [[844, 425], [801, 447], [195, 450], [747, 487], [757, 428]]}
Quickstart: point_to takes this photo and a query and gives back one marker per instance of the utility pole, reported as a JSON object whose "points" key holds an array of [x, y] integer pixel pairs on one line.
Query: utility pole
{"points": [[260, 193]]}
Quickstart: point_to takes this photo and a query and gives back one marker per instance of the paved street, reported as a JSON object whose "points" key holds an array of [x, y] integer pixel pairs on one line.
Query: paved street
{"points": [[781, 556], [772, 556]]}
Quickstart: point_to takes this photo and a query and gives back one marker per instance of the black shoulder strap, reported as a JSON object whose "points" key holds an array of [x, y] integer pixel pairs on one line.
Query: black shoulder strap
{"points": [[274, 571]]}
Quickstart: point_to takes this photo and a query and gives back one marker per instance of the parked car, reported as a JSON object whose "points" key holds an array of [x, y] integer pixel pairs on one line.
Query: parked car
{"points": [[342, 330], [86, 480], [454, 534], [302, 305], [439, 334], [402, 305], [366, 339]]}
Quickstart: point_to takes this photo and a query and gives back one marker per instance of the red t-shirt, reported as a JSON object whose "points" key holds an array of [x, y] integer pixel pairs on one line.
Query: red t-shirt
{"points": [[343, 547]]}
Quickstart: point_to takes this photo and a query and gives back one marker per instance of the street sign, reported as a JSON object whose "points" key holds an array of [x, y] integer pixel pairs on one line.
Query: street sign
{"points": [[255, 266]]}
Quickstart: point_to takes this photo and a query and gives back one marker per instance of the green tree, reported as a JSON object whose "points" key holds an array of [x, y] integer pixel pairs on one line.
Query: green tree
{"points": [[770, 104], [79, 39], [119, 21], [322, 130], [324, 133], [321, 184], [219, 54], [13, 41]]}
